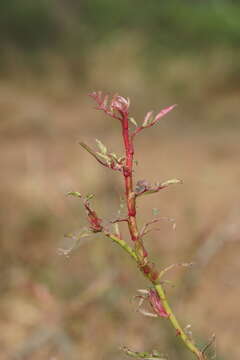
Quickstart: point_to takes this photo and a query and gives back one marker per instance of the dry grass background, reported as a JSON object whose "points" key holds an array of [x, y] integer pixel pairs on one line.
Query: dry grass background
{"points": [[52, 307]]}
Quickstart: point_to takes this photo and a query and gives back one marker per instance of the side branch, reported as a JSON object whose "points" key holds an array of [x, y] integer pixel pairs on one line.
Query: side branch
{"points": [[110, 163], [149, 121], [92, 152], [144, 188]]}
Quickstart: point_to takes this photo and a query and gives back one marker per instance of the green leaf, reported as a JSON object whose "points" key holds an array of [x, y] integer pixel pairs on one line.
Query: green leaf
{"points": [[155, 212], [74, 193], [117, 230], [133, 121], [87, 148], [89, 196], [171, 182], [147, 119], [102, 148], [103, 156], [155, 355], [114, 156]]}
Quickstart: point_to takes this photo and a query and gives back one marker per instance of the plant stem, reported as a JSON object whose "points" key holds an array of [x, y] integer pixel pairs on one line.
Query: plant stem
{"points": [[159, 288], [123, 244], [127, 172], [139, 254], [172, 318], [118, 108], [130, 194]]}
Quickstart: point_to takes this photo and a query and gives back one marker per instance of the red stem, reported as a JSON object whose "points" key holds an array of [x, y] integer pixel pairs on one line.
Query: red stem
{"points": [[127, 172], [130, 194]]}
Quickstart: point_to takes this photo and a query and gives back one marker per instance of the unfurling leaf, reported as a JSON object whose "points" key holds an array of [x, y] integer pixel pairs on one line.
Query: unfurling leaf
{"points": [[155, 211], [74, 193], [87, 148], [114, 156], [103, 156], [101, 146], [147, 119], [157, 304], [154, 355], [171, 182], [117, 230], [164, 112], [133, 121], [89, 197], [141, 186]]}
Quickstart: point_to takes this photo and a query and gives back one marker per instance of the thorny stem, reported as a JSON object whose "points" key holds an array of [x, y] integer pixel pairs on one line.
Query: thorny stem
{"points": [[138, 253]]}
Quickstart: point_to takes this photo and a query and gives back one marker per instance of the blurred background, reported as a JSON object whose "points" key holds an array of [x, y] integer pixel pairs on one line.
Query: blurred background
{"points": [[52, 54]]}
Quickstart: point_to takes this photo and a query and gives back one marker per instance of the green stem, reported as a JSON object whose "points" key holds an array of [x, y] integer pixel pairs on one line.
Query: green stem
{"points": [[172, 318], [159, 288], [123, 245]]}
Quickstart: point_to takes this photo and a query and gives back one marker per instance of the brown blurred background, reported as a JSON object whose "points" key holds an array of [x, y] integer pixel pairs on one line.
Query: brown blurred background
{"points": [[157, 53]]}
